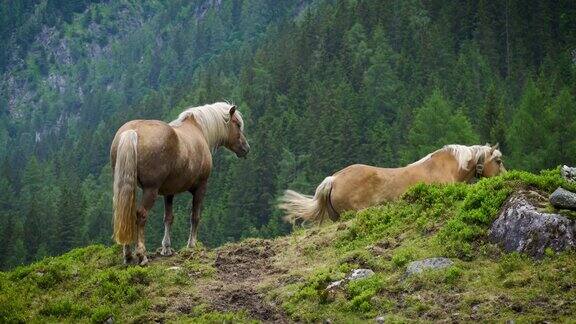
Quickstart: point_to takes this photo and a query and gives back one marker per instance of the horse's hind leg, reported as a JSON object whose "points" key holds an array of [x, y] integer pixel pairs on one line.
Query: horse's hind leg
{"points": [[196, 207], [168, 219], [148, 198], [127, 253]]}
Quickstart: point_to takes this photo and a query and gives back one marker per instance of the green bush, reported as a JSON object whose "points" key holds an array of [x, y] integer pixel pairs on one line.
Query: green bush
{"points": [[101, 314], [11, 306], [64, 308], [452, 275], [120, 285], [360, 294], [402, 257]]}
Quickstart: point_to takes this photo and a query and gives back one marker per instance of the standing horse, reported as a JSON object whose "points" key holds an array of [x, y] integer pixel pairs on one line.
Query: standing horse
{"points": [[360, 186], [167, 159]]}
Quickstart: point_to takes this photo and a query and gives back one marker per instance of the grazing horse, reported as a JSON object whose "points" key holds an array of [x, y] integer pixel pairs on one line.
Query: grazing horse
{"points": [[167, 159], [360, 186]]}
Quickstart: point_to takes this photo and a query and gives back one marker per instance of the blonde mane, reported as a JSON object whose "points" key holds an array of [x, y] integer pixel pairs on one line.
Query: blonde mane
{"points": [[213, 120], [463, 154]]}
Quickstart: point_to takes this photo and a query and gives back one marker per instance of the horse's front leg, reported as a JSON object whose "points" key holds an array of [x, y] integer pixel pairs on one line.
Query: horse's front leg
{"points": [[148, 198], [198, 193], [168, 219]]}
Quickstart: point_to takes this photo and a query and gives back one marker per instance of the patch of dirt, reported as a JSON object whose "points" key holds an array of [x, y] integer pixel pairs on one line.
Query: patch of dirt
{"points": [[240, 269], [182, 303]]}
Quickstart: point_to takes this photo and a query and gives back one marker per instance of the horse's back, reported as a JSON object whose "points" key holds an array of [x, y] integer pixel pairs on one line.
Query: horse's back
{"points": [[359, 186], [157, 146]]}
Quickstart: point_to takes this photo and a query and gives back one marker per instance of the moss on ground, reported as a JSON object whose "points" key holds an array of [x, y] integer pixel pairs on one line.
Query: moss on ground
{"points": [[484, 283]]}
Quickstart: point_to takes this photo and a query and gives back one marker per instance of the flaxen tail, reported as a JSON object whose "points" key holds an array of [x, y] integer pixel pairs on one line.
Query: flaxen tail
{"points": [[125, 177], [308, 208]]}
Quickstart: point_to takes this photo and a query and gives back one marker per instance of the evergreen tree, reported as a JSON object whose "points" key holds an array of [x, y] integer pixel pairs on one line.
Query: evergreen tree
{"points": [[492, 124], [527, 135], [68, 222], [561, 120], [382, 88], [437, 124]]}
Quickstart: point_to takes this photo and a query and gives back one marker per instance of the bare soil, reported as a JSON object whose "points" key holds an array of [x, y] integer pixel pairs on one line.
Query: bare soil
{"points": [[241, 267]]}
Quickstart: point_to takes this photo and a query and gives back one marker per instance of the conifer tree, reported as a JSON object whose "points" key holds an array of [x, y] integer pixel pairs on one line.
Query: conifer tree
{"points": [[561, 120], [527, 135], [437, 124]]}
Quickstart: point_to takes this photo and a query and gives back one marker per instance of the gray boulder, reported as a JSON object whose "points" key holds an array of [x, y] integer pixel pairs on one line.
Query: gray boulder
{"points": [[568, 173], [360, 274], [523, 228], [564, 199], [427, 264]]}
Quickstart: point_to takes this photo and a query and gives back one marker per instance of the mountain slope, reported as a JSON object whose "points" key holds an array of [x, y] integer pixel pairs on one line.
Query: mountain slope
{"points": [[323, 84], [284, 279]]}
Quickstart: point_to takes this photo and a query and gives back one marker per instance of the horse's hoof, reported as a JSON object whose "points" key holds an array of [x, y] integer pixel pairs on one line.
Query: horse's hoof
{"points": [[167, 251], [143, 260], [128, 260], [191, 244]]}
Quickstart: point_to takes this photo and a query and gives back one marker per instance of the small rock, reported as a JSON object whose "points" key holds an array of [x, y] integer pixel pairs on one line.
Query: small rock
{"points": [[356, 274], [380, 320], [335, 284], [175, 268], [360, 274], [426, 264], [109, 320], [564, 199], [335, 289], [523, 228], [568, 173]]}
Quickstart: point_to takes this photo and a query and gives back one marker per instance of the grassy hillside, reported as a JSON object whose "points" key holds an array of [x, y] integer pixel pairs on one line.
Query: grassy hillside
{"points": [[285, 279], [323, 84]]}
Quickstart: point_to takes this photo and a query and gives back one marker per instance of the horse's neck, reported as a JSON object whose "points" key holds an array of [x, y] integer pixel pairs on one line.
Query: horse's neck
{"points": [[443, 167], [191, 127]]}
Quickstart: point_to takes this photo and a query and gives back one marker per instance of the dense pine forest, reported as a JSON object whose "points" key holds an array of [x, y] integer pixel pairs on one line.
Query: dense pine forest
{"points": [[322, 84]]}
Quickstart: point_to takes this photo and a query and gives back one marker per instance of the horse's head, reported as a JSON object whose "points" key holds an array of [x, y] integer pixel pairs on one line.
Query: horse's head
{"points": [[493, 164], [236, 141]]}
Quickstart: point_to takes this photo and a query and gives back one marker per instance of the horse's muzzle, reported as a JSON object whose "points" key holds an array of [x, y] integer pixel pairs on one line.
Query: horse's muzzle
{"points": [[244, 151]]}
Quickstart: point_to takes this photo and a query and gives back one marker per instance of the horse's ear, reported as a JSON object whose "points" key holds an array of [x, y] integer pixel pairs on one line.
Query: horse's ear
{"points": [[494, 148], [232, 110]]}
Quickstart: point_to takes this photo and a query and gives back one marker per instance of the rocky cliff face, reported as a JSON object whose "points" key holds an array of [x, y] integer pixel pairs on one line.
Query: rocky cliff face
{"points": [[50, 66]]}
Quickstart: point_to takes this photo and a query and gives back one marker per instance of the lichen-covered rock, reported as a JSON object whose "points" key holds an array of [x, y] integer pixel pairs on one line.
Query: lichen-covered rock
{"points": [[568, 173], [360, 274], [427, 264], [523, 228], [562, 198]]}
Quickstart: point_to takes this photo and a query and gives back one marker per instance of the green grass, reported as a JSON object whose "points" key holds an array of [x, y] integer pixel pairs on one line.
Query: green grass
{"points": [[483, 284], [91, 285]]}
